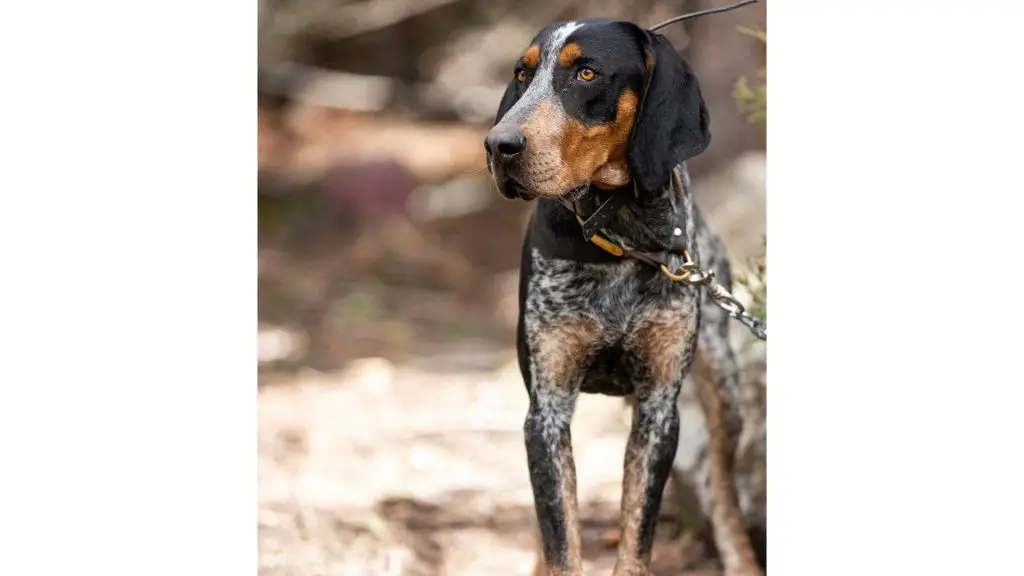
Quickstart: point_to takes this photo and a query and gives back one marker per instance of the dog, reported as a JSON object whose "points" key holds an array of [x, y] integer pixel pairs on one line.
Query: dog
{"points": [[595, 126]]}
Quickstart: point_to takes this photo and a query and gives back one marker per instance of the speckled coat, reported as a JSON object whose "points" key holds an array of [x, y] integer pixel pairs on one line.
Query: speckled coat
{"points": [[590, 322]]}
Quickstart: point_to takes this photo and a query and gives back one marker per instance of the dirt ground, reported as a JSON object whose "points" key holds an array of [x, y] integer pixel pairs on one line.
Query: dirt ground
{"points": [[421, 470]]}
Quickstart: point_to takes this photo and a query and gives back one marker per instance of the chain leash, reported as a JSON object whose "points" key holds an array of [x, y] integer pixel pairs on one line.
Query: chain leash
{"points": [[690, 273]]}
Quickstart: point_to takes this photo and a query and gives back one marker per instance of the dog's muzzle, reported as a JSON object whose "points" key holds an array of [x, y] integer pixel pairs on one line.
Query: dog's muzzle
{"points": [[504, 145]]}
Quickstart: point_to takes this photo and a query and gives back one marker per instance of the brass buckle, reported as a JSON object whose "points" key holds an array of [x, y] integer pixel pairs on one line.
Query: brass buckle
{"points": [[689, 272]]}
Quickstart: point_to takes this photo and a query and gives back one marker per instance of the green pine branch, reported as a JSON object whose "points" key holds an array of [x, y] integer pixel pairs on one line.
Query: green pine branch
{"points": [[753, 103], [755, 282]]}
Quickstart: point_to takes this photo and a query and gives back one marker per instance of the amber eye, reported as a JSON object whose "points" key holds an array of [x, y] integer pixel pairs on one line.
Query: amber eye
{"points": [[586, 74], [521, 75]]}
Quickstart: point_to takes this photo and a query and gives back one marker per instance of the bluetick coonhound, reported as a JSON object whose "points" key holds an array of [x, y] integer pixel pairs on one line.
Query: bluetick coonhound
{"points": [[595, 126]]}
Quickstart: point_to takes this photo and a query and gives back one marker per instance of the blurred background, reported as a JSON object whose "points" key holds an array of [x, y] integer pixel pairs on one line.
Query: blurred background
{"points": [[391, 408]]}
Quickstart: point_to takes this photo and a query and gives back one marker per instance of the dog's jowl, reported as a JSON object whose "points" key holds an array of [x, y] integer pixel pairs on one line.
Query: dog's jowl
{"points": [[596, 123]]}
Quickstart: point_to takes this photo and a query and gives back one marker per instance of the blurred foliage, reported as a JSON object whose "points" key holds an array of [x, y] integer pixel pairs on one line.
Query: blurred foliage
{"points": [[752, 101], [755, 283]]}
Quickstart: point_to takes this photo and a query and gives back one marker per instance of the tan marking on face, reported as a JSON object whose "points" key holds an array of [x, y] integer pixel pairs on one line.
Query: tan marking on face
{"points": [[531, 58], [569, 54], [541, 162], [598, 154], [562, 153]]}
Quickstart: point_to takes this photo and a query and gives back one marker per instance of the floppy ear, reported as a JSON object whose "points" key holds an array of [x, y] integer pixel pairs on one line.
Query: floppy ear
{"points": [[672, 123], [507, 101]]}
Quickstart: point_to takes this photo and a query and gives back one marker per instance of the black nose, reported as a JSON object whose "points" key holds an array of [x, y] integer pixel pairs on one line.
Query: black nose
{"points": [[505, 143]]}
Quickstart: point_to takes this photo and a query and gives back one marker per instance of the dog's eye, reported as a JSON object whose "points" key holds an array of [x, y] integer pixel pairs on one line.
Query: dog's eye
{"points": [[521, 75], [586, 74]]}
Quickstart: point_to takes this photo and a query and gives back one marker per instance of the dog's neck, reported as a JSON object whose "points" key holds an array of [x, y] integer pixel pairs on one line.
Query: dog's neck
{"points": [[653, 221]]}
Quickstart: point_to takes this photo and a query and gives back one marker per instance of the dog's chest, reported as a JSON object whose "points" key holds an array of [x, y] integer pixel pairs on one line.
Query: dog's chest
{"points": [[613, 294], [621, 302]]}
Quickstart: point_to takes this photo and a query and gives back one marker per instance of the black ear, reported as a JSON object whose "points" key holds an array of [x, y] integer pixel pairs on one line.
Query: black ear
{"points": [[507, 101], [672, 122]]}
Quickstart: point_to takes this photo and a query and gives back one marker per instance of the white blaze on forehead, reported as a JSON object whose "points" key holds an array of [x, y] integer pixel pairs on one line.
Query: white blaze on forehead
{"points": [[541, 88], [556, 42]]}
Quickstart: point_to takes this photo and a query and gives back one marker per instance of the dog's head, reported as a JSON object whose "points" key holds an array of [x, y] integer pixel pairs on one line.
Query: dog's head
{"points": [[595, 102]]}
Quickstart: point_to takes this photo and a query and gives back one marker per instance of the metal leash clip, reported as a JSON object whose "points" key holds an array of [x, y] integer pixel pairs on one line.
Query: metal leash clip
{"points": [[726, 301], [690, 273]]}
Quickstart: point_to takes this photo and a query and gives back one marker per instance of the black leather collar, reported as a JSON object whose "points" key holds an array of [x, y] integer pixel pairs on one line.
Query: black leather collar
{"points": [[595, 207]]}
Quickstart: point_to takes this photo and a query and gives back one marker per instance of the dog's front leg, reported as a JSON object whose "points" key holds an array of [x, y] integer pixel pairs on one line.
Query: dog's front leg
{"points": [[659, 351], [559, 352], [553, 476], [649, 453]]}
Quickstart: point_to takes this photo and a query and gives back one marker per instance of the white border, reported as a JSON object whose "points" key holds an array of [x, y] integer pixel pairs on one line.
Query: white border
{"points": [[893, 159], [127, 240], [127, 393]]}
